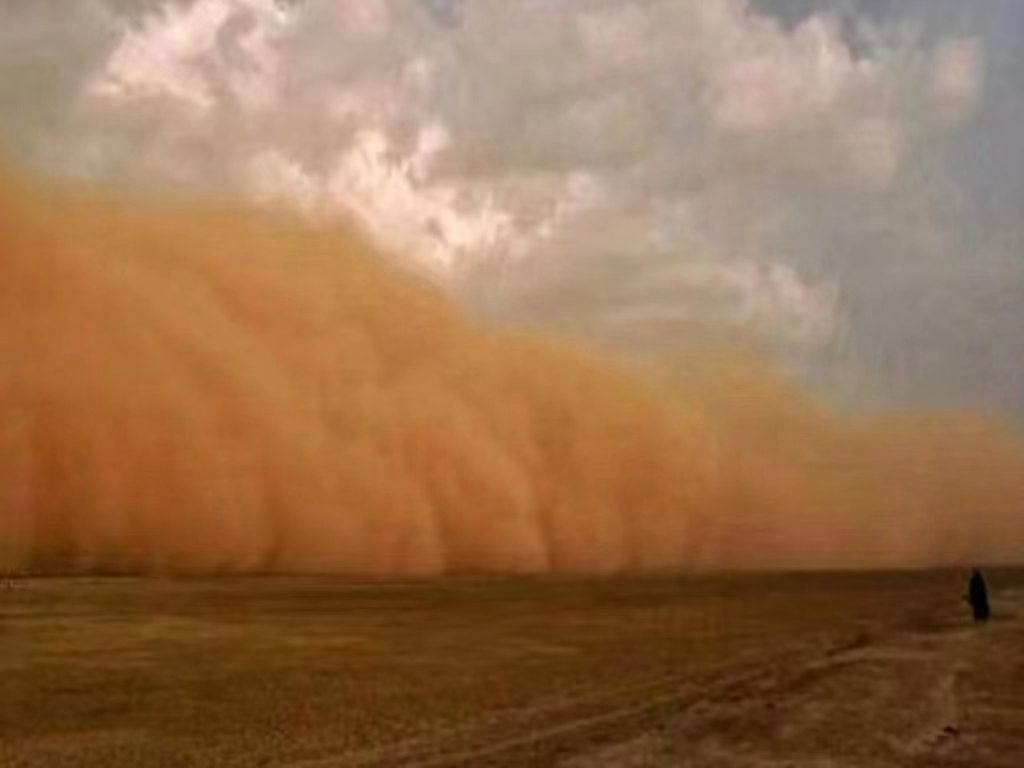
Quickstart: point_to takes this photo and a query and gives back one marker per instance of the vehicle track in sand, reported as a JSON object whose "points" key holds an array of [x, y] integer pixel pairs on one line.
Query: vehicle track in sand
{"points": [[898, 696], [540, 733], [947, 695]]}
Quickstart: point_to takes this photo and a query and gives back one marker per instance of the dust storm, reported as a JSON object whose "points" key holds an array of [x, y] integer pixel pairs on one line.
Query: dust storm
{"points": [[197, 386]]}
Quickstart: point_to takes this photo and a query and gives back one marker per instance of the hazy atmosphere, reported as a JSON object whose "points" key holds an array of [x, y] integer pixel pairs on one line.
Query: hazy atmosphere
{"points": [[717, 195]]}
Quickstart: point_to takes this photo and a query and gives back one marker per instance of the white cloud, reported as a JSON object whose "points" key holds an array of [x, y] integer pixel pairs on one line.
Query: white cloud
{"points": [[170, 54], [567, 133]]}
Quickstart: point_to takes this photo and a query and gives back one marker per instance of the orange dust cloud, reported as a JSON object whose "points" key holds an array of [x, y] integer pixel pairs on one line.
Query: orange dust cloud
{"points": [[199, 387]]}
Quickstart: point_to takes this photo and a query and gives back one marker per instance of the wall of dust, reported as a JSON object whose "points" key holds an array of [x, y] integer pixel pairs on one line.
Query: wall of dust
{"points": [[197, 387]]}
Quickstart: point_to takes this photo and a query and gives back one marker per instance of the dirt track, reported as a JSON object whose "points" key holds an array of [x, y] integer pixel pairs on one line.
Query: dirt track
{"points": [[934, 693], [942, 695]]}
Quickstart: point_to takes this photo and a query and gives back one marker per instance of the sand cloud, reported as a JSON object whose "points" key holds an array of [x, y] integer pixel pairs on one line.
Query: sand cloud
{"points": [[202, 388]]}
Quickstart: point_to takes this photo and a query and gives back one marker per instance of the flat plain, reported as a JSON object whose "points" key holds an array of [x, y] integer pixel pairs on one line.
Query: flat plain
{"points": [[841, 669]]}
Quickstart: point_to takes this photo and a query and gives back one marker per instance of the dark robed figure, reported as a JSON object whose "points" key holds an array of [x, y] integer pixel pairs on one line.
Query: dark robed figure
{"points": [[977, 594]]}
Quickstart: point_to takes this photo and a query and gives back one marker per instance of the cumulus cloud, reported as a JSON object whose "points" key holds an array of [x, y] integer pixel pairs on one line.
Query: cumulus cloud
{"points": [[645, 172], [551, 162]]}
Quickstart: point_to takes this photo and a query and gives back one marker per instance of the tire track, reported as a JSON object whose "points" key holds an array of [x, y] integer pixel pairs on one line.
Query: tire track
{"points": [[548, 729]]}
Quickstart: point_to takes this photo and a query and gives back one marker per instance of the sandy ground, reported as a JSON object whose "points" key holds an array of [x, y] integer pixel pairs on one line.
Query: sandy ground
{"points": [[943, 695], [814, 671]]}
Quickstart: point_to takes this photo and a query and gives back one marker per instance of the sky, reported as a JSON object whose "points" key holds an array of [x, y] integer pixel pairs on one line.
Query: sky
{"points": [[839, 181]]}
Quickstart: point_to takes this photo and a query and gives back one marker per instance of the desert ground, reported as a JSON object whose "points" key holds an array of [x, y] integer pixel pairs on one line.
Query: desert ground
{"points": [[764, 671]]}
